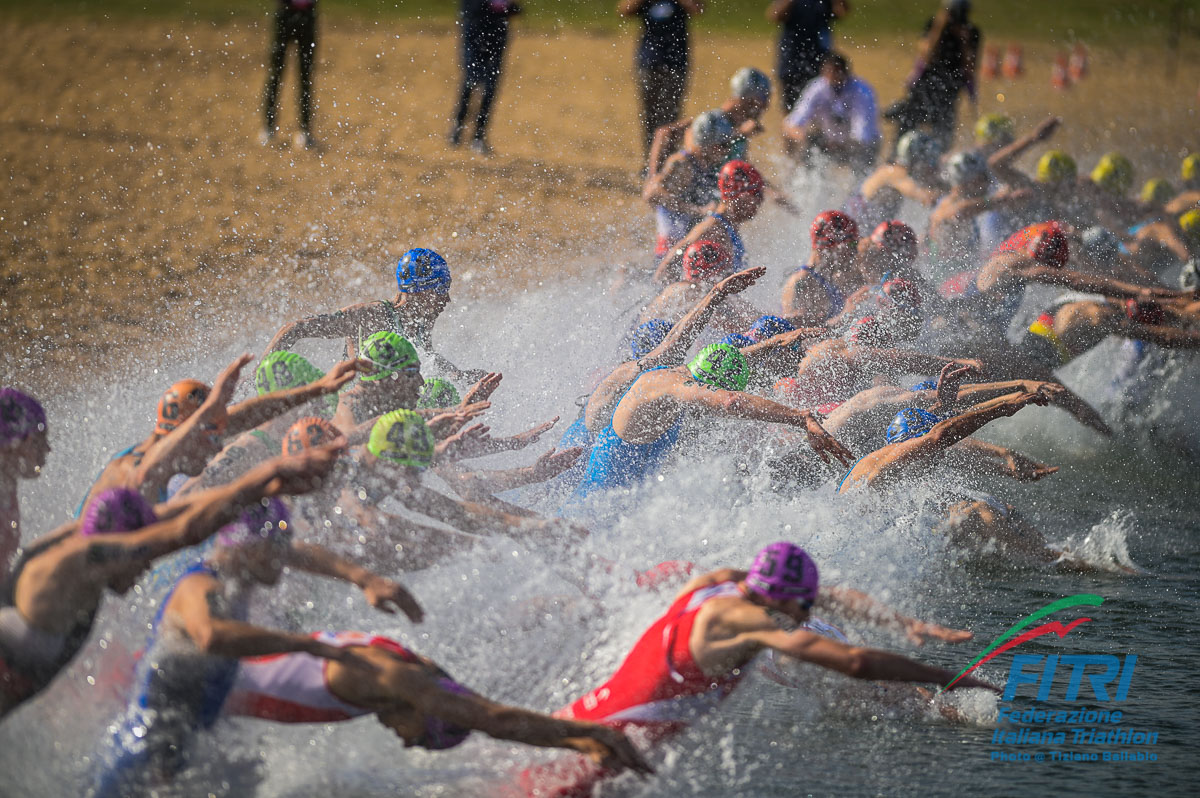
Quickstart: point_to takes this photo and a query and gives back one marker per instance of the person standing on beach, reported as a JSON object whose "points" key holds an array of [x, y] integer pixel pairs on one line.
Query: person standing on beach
{"points": [[661, 59], [805, 38], [484, 26], [295, 21]]}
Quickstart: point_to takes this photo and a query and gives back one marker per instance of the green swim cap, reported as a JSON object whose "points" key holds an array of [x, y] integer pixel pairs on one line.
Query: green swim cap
{"points": [[401, 437], [1189, 170], [1157, 191], [1055, 166], [438, 393], [995, 129], [1114, 173], [390, 353], [721, 366], [282, 371]]}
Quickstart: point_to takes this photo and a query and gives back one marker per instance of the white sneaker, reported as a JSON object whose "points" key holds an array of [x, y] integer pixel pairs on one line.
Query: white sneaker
{"points": [[480, 147], [266, 137], [304, 141]]}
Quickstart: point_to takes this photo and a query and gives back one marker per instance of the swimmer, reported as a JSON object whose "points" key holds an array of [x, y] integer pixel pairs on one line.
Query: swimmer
{"points": [[24, 445], [704, 265], [954, 224], [49, 602], [816, 292], [423, 282], [914, 174], [741, 188], [994, 135], [695, 655], [888, 255], [204, 662]]}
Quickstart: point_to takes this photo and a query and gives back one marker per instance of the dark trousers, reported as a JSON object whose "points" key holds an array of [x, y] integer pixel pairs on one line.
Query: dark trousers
{"points": [[299, 26], [483, 60], [661, 89], [792, 83]]}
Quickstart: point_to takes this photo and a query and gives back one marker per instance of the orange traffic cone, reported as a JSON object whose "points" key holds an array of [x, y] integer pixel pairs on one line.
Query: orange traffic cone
{"points": [[1014, 62], [1078, 66], [991, 63], [1059, 78]]}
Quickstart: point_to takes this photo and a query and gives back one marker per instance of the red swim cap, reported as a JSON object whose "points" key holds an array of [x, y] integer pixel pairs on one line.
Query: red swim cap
{"points": [[867, 331], [902, 292], [178, 403], [1144, 312], [896, 239], [307, 433], [704, 260], [832, 228], [738, 178], [1045, 242]]}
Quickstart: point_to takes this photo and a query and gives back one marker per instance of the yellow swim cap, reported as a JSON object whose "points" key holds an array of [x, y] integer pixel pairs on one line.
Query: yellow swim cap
{"points": [[1114, 173], [1189, 170], [1157, 191], [995, 129], [1189, 223], [1055, 166]]}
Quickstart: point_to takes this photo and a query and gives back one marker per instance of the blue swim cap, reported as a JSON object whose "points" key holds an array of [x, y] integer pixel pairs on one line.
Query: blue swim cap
{"points": [[646, 337], [926, 385], [421, 270], [768, 327], [909, 423], [737, 340]]}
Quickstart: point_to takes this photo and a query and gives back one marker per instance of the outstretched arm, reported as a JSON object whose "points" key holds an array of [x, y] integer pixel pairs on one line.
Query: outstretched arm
{"points": [[383, 594], [259, 410], [1093, 283], [1001, 160], [1060, 396], [679, 340], [349, 322], [858, 605], [980, 457]]}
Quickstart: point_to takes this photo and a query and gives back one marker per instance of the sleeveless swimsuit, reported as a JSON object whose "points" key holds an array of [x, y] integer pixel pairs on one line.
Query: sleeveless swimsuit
{"points": [[735, 241], [672, 225], [837, 300]]}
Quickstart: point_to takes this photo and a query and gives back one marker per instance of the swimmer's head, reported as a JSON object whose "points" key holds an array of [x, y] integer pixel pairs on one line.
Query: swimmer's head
{"points": [[438, 393], [1189, 225], [178, 403], [737, 340], [833, 229], [116, 510], [1048, 244], [1147, 312], [784, 572], [1101, 245], [869, 331], [918, 150], [966, 169], [912, 422], [896, 241], [995, 130], [752, 86], [1189, 170], [1113, 173], [422, 270], [721, 366], [741, 187], [307, 433], [1189, 275], [647, 336], [1055, 167], [282, 371], [23, 437], [705, 261], [900, 294], [1156, 192], [258, 538], [768, 327], [401, 437], [711, 131], [392, 355]]}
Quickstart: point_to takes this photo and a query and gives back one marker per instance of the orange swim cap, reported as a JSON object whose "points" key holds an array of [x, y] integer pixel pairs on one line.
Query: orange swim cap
{"points": [[178, 403], [307, 433]]}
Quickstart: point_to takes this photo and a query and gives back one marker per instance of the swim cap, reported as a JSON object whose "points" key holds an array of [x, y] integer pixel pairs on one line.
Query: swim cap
{"points": [[964, 168], [916, 148], [281, 371], [401, 437], [421, 270], [1189, 275], [868, 331], [833, 228], [705, 260], [897, 240], [1055, 167], [1144, 312], [1101, 244], [647, 336], [178, 403], [1189, 225], [391, 353], [1189, 170], [20, 416], [721, 366], [712, 129], [926, 385], [784, 572], [266, 521], [902, 293], [738, 178], [995, 129], [1045, 242], [737, 340], [749, 83], [768, 327], [438, 393], [1113, 173], [1157, 191], [307, 433], [912, 422], [116, 510]]}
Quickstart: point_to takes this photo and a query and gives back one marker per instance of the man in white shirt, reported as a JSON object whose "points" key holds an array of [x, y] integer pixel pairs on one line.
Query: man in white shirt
{"points": [[836, 115]]}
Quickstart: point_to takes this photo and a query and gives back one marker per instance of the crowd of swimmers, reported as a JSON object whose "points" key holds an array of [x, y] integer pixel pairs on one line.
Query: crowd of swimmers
{"points": [[886, 352]]}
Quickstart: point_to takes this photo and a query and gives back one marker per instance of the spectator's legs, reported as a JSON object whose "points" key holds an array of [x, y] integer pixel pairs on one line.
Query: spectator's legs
{"points": [[275, 68], [493, 61], [661, 90], [305, 31]]}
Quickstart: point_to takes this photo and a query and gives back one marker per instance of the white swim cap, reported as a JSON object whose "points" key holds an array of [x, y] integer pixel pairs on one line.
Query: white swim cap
{"points": [[749, 83], [712, 129], [965, 167]]}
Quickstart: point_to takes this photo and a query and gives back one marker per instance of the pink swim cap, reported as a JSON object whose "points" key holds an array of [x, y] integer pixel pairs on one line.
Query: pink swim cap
{"points": [[117, 510], [265, 521], [20, 415], [783, 571]]}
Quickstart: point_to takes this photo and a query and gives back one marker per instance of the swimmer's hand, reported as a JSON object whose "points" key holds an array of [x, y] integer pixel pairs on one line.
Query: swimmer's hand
{"points": [[444, 425], [214, 407], [971, 681], [553, 463], [737, 283], [825, 445], [302, 473], [1026, 469], [465, 444], [523, 439], [342, 373], [482, 390], [612, 750], [949, 379], [472, 375], [1046, 129], [919, 631], [388, 596]]}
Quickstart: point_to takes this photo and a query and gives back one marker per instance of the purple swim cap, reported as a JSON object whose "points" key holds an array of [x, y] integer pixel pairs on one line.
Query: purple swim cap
{"points": [[20, 415], [440, 735], [783, 571], [260, 522], [117, 510]]}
